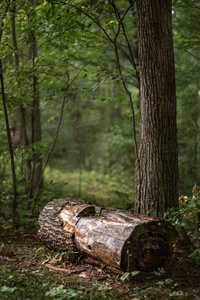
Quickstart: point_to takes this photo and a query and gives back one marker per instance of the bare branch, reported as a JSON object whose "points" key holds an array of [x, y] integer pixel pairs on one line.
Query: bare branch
{"points": [[120, 20], [3, 17], [198, 58], [131, 4], [90, 17], [122, 76]]}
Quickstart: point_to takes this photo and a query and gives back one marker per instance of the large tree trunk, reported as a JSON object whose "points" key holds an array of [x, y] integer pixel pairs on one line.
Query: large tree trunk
{"points": [[118, 238], [156, 172]]}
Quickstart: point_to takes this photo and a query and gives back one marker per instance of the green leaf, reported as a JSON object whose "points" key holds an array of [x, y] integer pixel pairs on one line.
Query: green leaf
{"points": [[8, 289]]}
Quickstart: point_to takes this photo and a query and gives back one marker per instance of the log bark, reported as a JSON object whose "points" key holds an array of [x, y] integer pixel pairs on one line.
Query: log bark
{"points": [[118, 238]]}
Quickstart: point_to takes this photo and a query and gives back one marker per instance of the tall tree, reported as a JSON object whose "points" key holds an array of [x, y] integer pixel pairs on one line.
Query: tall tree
{"points": [[36, 134], [19, 127], [7, 119], [156, 173], [26, 129]]}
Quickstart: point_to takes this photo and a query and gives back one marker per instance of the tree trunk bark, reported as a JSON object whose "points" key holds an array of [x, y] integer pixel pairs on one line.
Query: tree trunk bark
{"points": [[14, 180], [118, 238], [198, 125], [19, 128], [36, 178], [156, 169]]}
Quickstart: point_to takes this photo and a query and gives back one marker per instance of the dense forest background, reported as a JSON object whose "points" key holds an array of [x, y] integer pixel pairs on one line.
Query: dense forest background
{"points": [[64, 66], [69, 123]]}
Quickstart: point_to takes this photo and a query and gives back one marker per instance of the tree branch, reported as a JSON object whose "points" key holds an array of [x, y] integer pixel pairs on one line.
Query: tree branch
{"points": [[122, 77], [120, 20], [3, 17], [90, 17], [114, 42], [196, 57]]}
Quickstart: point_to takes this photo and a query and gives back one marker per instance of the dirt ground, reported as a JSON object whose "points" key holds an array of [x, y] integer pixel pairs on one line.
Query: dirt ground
{"points": [[23, 251]]}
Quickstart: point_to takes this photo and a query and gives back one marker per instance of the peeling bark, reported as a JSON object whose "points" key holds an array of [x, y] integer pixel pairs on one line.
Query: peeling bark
{"points": [[118, 238]]}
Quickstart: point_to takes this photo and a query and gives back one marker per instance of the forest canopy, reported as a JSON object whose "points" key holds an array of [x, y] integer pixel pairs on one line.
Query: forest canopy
{"points": [[70, 83]]}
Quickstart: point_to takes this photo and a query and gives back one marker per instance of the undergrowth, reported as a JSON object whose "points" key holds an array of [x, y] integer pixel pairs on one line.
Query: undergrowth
{"points": [[97, 188], [26, 285]]}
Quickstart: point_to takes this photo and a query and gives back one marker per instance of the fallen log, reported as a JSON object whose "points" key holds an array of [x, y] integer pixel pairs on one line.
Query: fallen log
{"points": [[118, 238]]}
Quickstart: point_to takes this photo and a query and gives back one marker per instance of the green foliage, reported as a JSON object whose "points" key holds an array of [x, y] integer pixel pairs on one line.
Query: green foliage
{"points": [[17, 285], [106, 190], [129, 275], [80, 89], [187, 44], [62, 292], [170, 289], [77, 72], [23, 285], [159, 272], [188, 216], [196, 256]]}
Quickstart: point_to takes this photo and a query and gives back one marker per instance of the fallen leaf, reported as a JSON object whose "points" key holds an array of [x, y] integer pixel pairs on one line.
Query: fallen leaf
{"points": [[58, 269]]}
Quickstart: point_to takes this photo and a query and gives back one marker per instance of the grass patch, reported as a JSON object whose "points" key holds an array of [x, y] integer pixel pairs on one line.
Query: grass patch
{"points": [[24, 285], [90, 186], [27, 284]]}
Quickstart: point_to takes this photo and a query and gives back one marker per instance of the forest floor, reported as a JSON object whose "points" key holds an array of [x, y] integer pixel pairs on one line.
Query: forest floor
{"points": [[28, 270]]}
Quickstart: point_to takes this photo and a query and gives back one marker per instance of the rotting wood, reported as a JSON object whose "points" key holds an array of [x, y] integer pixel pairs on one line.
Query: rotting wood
{"points": [[116, 237]]}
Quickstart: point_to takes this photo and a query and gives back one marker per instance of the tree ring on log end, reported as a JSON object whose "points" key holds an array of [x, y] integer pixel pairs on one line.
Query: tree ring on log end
{"points": [[150, 252], [149, 248]]}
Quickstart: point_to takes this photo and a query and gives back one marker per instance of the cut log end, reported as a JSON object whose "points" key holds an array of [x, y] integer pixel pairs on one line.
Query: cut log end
{"points": [[150, 247]]}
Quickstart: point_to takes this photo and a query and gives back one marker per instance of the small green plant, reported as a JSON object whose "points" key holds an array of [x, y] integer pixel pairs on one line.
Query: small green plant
{"points": [[40, 252], [22, 285], [8, 289], [60, 292], [188, 216], [196, 256], [170, 287], [159, 272], [129, 275]]}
